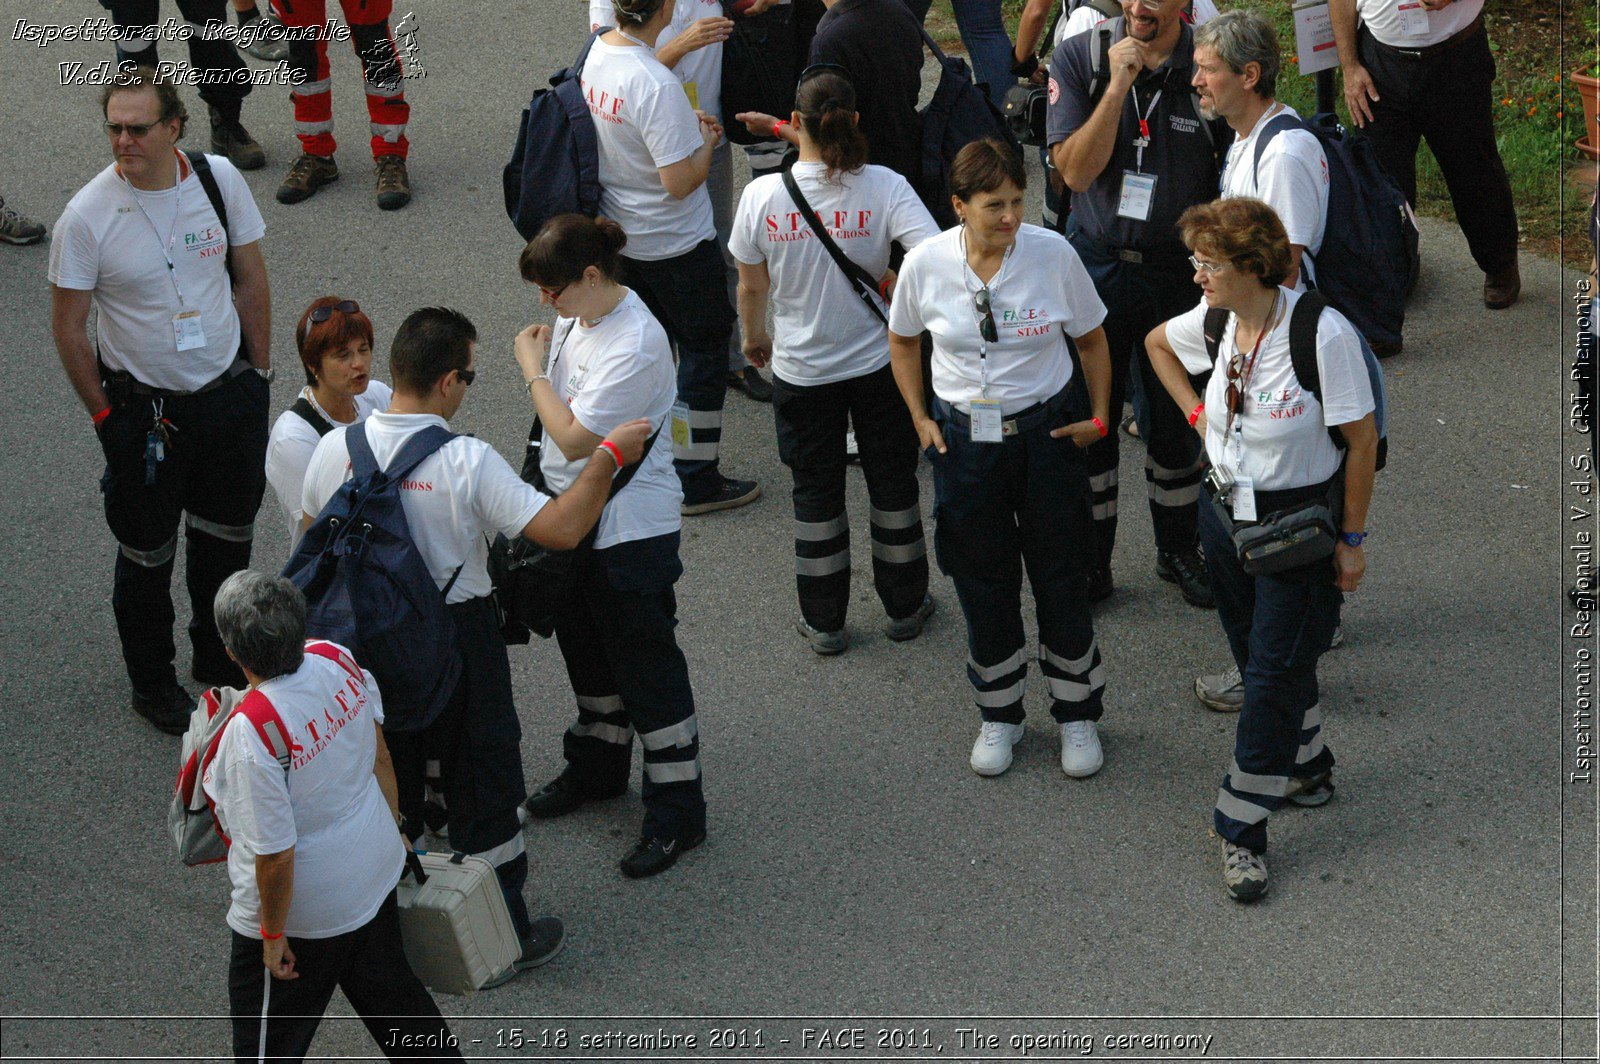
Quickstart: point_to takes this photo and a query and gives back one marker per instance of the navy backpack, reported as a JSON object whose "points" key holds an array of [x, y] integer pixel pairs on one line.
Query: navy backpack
{"points": [[958, 114], [555, 167], [1369, 258], [368, 589]]}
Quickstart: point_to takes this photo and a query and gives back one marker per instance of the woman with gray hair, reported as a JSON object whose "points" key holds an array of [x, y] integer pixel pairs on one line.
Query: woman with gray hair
{"points": [[315, 853]]}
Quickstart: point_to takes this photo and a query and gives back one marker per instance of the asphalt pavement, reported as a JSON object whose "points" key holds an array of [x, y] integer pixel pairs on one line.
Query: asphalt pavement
{"points": [[857, 874]]}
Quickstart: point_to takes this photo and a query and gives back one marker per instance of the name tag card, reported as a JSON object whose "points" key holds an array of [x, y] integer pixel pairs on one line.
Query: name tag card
{"points": [[1138, 196], [1413, 19], [1243, 499], [985, 415], [680, 424], [187, 330]]}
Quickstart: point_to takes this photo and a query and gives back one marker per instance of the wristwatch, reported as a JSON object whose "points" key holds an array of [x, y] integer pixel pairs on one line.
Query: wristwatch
{"points": [[1352, 539], [266, 374]]}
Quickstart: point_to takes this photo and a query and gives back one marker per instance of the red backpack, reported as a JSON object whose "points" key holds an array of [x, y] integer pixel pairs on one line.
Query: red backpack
{"points": [[191, 815]]}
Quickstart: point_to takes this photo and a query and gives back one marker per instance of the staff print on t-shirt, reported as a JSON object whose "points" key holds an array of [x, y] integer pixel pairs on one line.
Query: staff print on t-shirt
{"points": [[841, 225], [351, 701], [603, 105]]}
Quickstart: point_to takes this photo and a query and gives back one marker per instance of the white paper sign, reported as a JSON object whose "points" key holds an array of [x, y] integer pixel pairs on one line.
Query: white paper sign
{"points": [[1313, 37]]}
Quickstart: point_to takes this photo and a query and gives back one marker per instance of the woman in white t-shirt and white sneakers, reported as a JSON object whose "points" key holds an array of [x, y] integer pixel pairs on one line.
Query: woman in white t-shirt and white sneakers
{"points": [[1002, 300], [830, 362], [1269, 437], [655, 155], [607, 360], [334, 338]]}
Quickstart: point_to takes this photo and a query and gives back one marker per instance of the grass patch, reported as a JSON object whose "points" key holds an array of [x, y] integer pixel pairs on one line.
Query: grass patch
{"points": [[1538, 113]]}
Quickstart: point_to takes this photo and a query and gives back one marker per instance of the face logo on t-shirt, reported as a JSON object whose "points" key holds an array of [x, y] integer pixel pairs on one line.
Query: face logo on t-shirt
{"points": [[1281, 405], [1026, 322], [603, 105], [841, 225], [207, 242]]}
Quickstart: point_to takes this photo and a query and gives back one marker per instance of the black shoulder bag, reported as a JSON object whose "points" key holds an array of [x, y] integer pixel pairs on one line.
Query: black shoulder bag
{"points": [[860, 280], [530, 581]]}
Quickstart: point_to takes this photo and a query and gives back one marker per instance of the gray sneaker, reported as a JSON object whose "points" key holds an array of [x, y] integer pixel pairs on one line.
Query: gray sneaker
{"points": [[824, 643], [1244, 872], [544, 940], [1221, 691], [910, 627], [16, 229], [266, 39], [1310, 791]]}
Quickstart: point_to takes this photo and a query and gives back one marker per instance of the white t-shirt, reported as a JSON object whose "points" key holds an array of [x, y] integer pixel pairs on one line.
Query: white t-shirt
{"points": [[643, 122], [292, 443], [1087, 18], [700, 71], [458, 493], [615, 371], [1040, 296], [1292, 179], [104, 243], [1382, 18], [1285, 429], [822, 331], [347, 850]]}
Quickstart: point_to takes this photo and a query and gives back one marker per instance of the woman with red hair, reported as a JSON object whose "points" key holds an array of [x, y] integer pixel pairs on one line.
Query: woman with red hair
{"points": [[335, 343]]}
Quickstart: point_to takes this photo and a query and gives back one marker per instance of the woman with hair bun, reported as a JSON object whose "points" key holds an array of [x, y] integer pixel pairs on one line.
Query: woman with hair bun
{"points": [[656, 153], [612, 363], [335, 342], [830, 358]]}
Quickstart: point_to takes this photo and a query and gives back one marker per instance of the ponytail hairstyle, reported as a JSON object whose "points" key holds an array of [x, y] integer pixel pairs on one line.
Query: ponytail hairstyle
{"points": [[567, 245], [635, 13], [827, 104]]}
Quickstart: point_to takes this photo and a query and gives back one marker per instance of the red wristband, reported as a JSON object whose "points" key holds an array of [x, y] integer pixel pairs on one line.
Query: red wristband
{"points": [[270, 938], [611, 448], [1101, 425], [1194, 415], [883, 289], [101, 416], [779, 124]]}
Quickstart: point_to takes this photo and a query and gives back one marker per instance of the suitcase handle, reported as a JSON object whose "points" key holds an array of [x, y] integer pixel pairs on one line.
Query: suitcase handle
{"points": [[414, 866]]}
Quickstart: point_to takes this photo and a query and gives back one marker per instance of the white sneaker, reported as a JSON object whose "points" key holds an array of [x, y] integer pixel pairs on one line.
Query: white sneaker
{"points": [[1338, 638], [1221, 691], [1080, 749], [991, 754]]}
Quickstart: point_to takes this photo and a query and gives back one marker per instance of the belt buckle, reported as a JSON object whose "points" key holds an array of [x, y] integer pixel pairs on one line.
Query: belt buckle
{"points": [[1129, 255], [1008, 427]]}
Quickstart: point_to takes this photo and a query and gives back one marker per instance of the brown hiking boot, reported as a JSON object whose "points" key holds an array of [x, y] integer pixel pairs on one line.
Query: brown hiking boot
{"points": [[394, 187], [231, 139], [309, 173], [1500, 290]]}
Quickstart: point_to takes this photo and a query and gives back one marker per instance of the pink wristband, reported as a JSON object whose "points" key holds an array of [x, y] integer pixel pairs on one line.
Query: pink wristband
{"points": [[611, 448]]}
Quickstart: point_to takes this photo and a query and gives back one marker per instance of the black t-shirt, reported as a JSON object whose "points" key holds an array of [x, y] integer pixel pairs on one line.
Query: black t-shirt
{"points": [[878, 44], [1180, 155]]}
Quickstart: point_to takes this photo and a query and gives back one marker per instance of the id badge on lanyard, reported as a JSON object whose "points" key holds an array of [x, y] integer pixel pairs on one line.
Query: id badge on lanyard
{"points": [[984, 414], [1138, 193], [1413, 19]]}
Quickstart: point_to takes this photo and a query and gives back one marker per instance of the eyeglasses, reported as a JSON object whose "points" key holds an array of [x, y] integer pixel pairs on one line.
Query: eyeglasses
{"points": [[137, 132], [986, 326], [467, 376], [553, 294], [344, 306], [1212, 268]]}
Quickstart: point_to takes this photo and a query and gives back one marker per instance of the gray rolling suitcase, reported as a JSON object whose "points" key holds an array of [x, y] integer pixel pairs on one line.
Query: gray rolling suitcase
{"points": [[454, 921]]}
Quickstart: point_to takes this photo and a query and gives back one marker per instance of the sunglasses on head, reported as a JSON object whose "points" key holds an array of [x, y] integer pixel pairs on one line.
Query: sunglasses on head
{"points": [[344, 306], [986, 326]]}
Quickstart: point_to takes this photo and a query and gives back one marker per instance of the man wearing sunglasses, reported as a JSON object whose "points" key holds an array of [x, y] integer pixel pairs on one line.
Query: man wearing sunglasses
{"points": [[1130, 142], [178, 382]]}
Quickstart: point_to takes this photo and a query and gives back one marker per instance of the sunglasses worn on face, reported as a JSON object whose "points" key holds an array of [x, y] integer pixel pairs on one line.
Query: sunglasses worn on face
{"points": [[137, 132], [322, 314], [553, 294], [467, 376], [986, 327]]}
